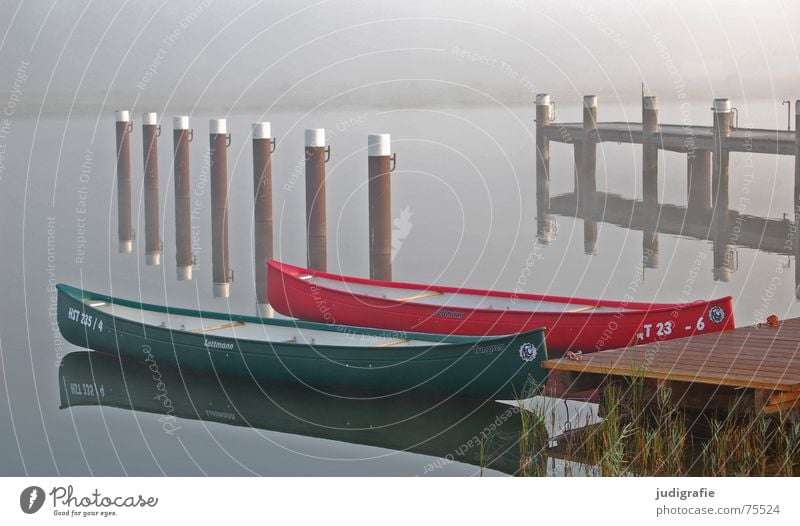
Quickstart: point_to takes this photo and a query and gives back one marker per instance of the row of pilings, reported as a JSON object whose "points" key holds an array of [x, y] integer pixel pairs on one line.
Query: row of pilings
{"points": [[380, 164]]}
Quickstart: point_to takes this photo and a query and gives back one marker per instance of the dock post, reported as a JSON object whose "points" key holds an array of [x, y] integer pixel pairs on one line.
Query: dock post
{"points": [[720, 165], [588, 165], [262, 213], [218, 155], [152, 238], [698, 182], [797, 197], [181, 136], [590, 237], [544, 228], [380, 167], [124, 206], [650, 142], [719, 189], [316, 228]]}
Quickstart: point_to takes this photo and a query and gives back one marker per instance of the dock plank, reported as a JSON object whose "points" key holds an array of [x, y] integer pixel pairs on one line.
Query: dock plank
{"points": [[755, 357]]}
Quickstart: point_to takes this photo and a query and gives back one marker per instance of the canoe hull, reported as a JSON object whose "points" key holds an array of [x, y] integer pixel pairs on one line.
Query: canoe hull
{"points": [[475, 368], [579, 331]]}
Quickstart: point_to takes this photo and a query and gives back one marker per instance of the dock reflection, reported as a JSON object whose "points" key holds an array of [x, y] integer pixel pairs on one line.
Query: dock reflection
{"points": [[452, 430], [725, 233]]}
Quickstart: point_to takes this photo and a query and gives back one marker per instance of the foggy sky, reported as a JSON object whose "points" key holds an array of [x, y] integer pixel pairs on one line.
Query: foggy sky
{"points": [[190, 54]]}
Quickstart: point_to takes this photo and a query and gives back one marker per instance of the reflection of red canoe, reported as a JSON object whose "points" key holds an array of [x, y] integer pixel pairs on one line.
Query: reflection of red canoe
{"points": [[572, 323]]}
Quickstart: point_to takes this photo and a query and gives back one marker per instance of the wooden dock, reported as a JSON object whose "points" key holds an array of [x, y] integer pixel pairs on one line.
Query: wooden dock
{"points": [[676, 138], [756, 365], [708, 150]]}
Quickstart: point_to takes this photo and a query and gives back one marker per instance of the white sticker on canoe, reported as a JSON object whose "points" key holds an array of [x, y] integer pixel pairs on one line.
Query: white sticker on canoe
{"points": [[527, 352], [716, 314]]}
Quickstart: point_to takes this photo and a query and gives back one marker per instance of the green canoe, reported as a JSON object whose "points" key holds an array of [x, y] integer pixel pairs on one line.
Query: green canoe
{"points": [[322, 356], [478, 432]]}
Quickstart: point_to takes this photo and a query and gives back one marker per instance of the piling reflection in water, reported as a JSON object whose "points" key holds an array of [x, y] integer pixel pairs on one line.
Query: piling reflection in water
{"points": [[450, 430]]}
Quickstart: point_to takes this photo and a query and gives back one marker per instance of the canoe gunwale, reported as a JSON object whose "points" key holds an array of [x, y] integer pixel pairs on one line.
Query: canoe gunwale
{"points": [[294, 272], [440, 342]]}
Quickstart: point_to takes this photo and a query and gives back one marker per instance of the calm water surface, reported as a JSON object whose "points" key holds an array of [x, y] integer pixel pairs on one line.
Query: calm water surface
{"points": [[464, 205]]}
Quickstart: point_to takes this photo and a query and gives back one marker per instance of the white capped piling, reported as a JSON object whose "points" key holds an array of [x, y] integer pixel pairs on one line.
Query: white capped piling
{"points": [[542, 152], [650, 145], [544, 227], [152, 228], [218, 149], [181, 136], [316, 227], [720, 155], [379, 151], [721, 130], [587, 193], [797, 196], [698, 181], [263, 143], [124, 206], [650, 141]]}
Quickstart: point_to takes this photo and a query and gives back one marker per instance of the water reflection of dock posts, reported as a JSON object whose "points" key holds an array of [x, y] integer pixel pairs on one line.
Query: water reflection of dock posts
{"points": [[586, 174], [544, 222], [721, 130], [181, 136], [650, 146], [152, 238], [219, 139], [124, 225], [316, 225], [263, 143], [698, 182], [797, 198]]}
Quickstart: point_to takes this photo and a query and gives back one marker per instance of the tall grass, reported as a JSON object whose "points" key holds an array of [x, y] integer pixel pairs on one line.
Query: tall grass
{"points": [[644, 432]]}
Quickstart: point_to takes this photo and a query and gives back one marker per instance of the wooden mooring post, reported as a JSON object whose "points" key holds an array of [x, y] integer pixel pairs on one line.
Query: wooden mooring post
{"points": [[124, 204], [379, 151], [181, 136], [152, 222], [797, 198], [721, 131], [263, 144], [650, 147], [219, 139], [698, 182], [544, 223], [587, 193], [317, 155]]}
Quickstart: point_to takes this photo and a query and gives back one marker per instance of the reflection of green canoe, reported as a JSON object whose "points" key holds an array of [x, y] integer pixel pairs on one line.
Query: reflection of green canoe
{"points": [[451, 430], [319, 355]]}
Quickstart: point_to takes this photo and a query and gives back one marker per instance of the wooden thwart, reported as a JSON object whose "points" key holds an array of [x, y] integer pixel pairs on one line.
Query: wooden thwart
{"points": [[420, 296], [394, 342], [218, 327], [584, 309]]}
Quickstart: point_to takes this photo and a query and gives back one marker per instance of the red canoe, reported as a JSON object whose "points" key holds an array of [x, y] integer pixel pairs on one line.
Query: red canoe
{"points": [[573, 324]]}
